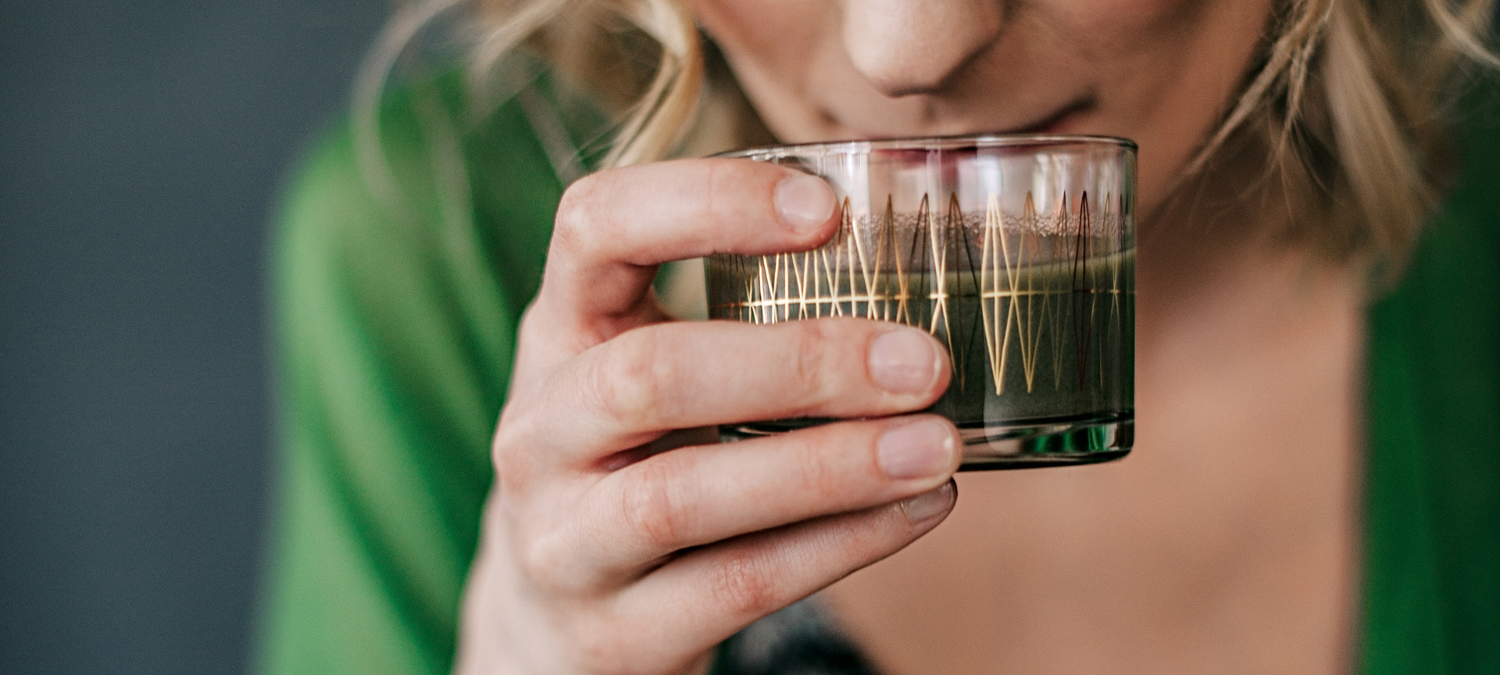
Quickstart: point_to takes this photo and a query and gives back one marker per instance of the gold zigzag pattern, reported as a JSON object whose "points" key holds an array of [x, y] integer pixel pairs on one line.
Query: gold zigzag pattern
{"points": [[1024, 276]]}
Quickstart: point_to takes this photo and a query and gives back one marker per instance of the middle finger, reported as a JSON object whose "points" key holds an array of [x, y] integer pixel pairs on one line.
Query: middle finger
{"points": [[626, 392]]}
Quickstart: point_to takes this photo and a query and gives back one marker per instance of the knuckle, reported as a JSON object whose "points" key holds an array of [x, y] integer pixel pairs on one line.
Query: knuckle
{"points": [[725, 183], [543, 562], [534, 324], [719, 187], [509, 452], [576, 212], [814, 339], [651, 506], [624, 383], [512, 432], [742, 585], [508, 463], [815, 476], [513, 447]]}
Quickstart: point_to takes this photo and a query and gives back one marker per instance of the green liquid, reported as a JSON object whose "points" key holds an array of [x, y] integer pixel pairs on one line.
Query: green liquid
{"points": [[1033, 344]]}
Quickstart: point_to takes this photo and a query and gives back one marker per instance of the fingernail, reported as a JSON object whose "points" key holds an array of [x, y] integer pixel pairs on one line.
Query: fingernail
{"points": [[924, 506], [915, 449], [804, 201], [904, 361]]}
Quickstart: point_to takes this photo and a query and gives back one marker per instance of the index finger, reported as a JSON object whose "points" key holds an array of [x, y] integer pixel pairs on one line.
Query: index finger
{"points": [[613, 228]]}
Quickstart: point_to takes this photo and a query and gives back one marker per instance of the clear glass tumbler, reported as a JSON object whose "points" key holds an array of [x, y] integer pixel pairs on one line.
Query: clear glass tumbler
{"points": [[1017, 252]]}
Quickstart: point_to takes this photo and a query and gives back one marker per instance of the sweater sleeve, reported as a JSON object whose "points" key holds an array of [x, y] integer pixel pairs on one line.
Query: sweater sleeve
{"points": [[1432, 545], [396, 313]]}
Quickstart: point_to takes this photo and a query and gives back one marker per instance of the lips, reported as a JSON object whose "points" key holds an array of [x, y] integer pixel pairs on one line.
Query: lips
{"points": [[1062, 120], [1058, 122]]}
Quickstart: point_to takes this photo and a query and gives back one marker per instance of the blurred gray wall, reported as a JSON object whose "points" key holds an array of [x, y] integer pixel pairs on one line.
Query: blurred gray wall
{"points": [[141, 144]]}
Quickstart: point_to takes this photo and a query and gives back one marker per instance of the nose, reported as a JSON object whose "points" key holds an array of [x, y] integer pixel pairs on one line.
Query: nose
{"points": [[914, 46]]}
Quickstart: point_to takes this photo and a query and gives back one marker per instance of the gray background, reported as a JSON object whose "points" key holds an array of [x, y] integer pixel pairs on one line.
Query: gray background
{"points": [[141, 145]]}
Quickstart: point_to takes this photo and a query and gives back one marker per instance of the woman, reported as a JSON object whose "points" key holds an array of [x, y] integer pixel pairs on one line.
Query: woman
{"points": [[1289, 152]]}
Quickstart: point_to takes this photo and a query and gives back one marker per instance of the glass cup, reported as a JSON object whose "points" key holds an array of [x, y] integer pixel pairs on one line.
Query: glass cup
{"points": [[1016, 252]]}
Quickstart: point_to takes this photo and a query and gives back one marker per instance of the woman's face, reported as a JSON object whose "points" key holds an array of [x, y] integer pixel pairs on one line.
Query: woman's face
{"points": [[1161, 72]]}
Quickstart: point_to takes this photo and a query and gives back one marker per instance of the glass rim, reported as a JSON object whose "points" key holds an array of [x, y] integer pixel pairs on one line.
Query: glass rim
{"points": [[958, 142]]}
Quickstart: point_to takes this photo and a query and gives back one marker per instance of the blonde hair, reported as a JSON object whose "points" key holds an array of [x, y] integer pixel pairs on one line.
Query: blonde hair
{"points": [[1349, 100], [1346, 97]]}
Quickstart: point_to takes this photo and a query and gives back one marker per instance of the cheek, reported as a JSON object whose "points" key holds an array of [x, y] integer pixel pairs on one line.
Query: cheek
{"points": [[1173, 68], [1131, 25], [778, 49], [762, 28]]}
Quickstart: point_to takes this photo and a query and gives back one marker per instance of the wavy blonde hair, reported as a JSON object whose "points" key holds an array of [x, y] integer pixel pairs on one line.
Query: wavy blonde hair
{"points": [[1347, 98]]}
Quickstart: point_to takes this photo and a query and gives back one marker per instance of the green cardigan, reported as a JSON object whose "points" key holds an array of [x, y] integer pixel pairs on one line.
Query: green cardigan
{"points": [[396, 322]]}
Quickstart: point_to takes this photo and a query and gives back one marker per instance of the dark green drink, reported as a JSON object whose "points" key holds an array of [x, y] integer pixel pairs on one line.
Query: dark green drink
{"points": [[1016, 253], [1042, 354]]}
